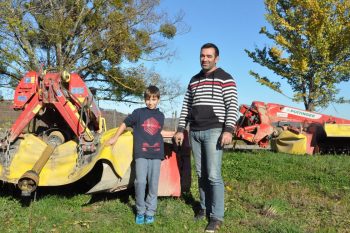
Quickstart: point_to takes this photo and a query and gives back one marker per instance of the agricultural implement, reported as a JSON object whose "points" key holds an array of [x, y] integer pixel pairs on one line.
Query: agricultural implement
{"points": [[59, 138], [291, 130]]}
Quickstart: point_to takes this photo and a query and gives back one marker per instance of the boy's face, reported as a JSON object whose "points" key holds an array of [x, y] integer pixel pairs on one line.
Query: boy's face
{"points": [[152, 102]]}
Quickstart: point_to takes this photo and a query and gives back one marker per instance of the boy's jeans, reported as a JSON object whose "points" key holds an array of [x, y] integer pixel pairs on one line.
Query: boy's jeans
{"points": [[146, 170], [207, 153]]}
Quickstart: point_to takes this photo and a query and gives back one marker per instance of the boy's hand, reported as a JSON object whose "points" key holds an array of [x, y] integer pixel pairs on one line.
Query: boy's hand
{"points": [[111, 141]]}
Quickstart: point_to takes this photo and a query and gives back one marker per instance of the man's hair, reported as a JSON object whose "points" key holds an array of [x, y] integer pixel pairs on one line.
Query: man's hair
{"points": [[211, 45], [151, 91]]}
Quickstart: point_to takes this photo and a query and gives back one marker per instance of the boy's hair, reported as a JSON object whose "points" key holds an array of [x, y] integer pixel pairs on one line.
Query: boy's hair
{"points": [[211, 45], [151, 91]]}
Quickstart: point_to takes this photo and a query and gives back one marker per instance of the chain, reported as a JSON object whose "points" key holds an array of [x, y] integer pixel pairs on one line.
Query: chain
{"points": [[7, 152], [80, 150], [5, 160]]}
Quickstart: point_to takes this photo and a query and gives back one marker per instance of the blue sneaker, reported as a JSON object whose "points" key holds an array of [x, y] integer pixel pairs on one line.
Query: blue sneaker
{"points": [[149, 219], [140, 219]]}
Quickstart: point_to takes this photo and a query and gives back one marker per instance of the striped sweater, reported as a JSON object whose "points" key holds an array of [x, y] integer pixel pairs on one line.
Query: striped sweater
{"points": [[210, 102]]}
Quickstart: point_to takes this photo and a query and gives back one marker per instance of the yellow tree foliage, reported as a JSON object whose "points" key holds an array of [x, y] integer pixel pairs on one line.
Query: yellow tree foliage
{"points": [[311, 49]]}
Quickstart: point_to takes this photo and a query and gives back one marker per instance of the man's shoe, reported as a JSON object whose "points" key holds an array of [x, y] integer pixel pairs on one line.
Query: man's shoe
{"points": [[214, 225], [149, 219], [140, 219], [200, 215]]}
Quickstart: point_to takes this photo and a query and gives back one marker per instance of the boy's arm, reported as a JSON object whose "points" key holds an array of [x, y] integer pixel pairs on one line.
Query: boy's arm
{"points": [[115, 137]]}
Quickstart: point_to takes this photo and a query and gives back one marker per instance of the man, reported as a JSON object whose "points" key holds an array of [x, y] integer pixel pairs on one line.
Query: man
{"points": [[211, 109]]}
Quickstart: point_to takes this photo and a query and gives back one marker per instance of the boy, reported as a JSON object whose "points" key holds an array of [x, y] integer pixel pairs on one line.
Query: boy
{"points": [[147, 124]]}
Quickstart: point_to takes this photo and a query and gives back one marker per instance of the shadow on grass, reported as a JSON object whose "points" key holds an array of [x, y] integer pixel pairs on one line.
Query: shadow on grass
{"points": [[11, 191], [67, 191], [82, 186], [191, 201], [123, 196]]}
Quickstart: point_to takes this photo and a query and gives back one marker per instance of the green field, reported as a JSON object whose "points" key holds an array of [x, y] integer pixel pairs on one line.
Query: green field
{"points": [[265, 192]]}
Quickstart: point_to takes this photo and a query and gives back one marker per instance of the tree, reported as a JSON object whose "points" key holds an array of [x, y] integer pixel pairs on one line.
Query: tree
{"points": [[311, 51], [105, 41]]}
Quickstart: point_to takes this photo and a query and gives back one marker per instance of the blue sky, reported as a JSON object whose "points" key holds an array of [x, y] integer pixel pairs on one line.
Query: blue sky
{"points": [[233, 25]]}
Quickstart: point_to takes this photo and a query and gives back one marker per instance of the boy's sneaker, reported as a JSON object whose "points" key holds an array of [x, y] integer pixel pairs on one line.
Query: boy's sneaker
{"points": [[200, 215], [140, 219], [149, 219], [214, 225]]}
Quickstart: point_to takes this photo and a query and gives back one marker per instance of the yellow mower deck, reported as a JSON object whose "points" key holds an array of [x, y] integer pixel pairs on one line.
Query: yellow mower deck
{"points": [[337, 130], [62, 168], [331, 138]]}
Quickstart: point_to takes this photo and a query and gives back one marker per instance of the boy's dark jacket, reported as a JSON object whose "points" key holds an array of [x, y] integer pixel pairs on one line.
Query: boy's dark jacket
{"points": [[147, 125]]}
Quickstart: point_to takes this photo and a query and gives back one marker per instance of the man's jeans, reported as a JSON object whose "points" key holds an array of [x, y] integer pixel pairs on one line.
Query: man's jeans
{"points": [[147, 172], [207, 153]]}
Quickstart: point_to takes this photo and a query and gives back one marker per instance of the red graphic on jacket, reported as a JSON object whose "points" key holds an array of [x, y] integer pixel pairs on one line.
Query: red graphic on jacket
{"points": [[155, 147], [151, 126]]}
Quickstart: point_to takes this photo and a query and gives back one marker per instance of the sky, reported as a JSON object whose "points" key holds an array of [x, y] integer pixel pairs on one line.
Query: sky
{"points": [[233, 25]]}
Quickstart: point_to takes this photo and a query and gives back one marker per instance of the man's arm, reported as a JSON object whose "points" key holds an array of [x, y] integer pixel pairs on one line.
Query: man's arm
{"points": [[185, 110], [183, 120], [231, 106]]}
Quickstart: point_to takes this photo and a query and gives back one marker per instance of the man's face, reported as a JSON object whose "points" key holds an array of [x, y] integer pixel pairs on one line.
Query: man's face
{"points": [[208, 59], [152, 102]]}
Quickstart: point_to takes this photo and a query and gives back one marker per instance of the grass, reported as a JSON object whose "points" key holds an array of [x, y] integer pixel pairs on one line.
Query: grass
{"points": [[265, 192]]}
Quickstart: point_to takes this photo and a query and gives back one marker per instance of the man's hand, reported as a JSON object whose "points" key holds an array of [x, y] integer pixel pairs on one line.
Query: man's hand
{"points": [[179, 137], [226, 138]]}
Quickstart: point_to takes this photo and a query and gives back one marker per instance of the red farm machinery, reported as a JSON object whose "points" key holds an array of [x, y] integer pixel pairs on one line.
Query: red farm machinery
{"points": [[292, 130], [59, 138]]}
